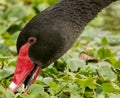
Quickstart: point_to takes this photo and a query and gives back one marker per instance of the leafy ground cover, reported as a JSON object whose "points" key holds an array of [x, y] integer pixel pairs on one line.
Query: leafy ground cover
{"points": [[96, 74]]}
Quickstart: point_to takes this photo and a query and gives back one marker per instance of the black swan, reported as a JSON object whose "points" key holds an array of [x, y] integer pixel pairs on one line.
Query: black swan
{"points": [[49, 35]]}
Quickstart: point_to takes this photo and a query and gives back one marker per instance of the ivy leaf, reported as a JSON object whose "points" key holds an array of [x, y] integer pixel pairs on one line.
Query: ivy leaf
{"points": [[53, 97], [4, 49], [104, 41], [75, 96], [74, 89], [74, 63], [47, 80], [104, 53], [6, 72], [107, 87], [56, 89], [117, 64], [36, 91], [2, 59], [114, 95], [105, 71], [12, 13], [5, 93], [88, 82]]}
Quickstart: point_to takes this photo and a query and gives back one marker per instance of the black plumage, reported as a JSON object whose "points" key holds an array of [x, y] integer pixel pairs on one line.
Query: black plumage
{"points": [[57, 28]]}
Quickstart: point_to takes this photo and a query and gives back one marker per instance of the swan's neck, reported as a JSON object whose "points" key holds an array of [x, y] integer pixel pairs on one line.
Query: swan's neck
{"points": [[82, 11]]}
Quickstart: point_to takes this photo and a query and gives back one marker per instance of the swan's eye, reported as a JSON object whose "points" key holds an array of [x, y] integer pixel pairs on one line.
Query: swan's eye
{"points": [[32, 40]]}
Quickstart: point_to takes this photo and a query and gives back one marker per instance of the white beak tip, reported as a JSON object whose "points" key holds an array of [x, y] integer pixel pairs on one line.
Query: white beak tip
{"points": [[13, 87]]}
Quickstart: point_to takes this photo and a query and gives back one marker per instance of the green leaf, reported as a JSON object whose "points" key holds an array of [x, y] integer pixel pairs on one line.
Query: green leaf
{"points": [[56, 89], [42, 6], [117, 64], [88, 70], [49, 71], [89, 94], [88, 82], [4, 49], [104, 41], [75, 63], [47, 80], [53, 97], [51, 2], [36, 91], [12, 13], [9, 42], [104, 53], [60, 65], [6, 72], [105, 71], [107, 87], [114, 95], [5, 93], [74, 89], [112, 60], [75, 96], [2, 59]]}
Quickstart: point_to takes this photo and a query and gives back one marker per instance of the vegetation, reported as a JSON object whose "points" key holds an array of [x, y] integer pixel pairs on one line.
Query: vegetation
{"points": [[95, 74]]}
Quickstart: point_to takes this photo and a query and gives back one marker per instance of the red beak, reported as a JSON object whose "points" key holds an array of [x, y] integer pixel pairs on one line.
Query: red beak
{"points": [[23, 69]]}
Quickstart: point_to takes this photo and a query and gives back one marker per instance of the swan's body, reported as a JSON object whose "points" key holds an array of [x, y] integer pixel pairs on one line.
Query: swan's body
{"points": [[57, 28]]}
